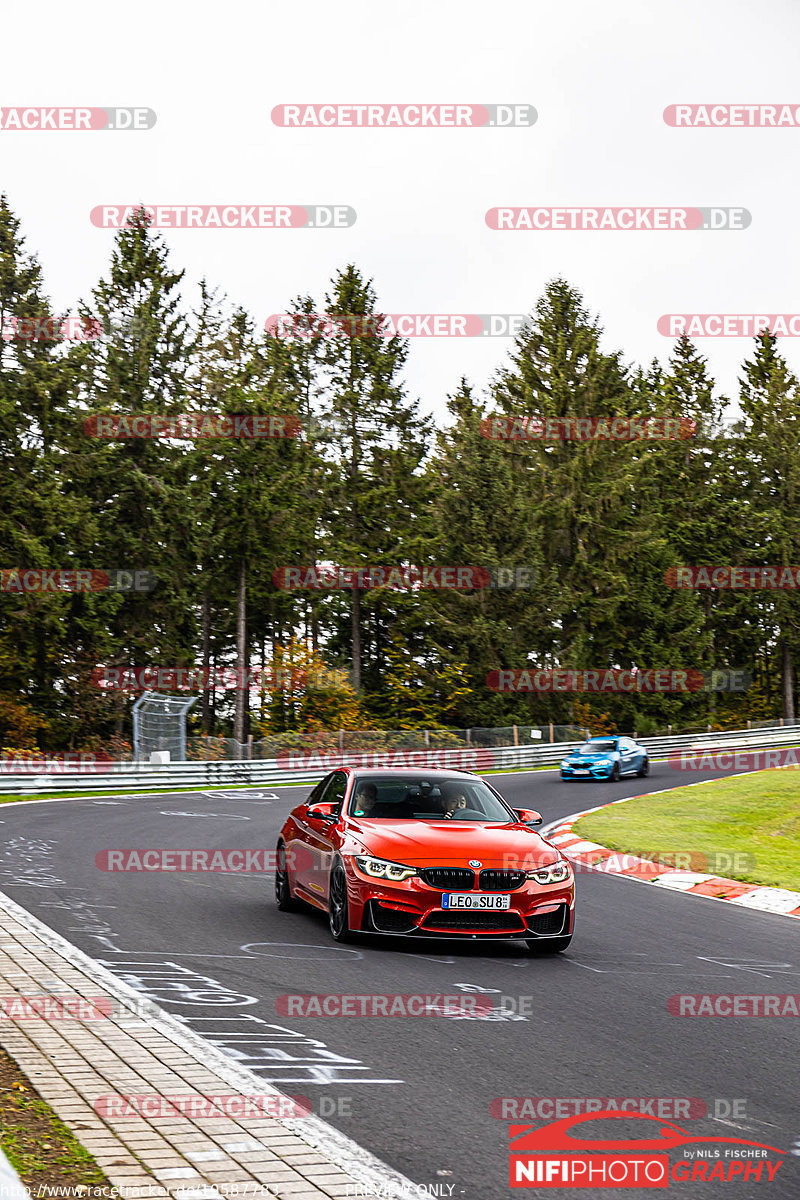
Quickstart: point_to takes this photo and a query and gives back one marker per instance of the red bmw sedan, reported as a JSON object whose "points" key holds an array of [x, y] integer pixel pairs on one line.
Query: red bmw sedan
{"points": [[424, 854]]}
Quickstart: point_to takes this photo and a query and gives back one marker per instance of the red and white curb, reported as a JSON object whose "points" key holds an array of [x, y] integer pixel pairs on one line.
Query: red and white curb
{"points": [[594, 857]]}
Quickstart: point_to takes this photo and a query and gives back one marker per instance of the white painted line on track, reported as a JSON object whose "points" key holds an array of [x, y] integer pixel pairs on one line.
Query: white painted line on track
{"points": [[341, 1150]]}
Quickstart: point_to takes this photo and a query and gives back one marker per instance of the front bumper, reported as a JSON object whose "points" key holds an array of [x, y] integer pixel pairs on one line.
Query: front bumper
{"points": [[414, 909], [593, 772]]}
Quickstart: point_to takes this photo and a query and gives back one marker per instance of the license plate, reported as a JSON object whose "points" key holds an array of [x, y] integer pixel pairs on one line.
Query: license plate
{"points": [[581, 770], [474, 900]]}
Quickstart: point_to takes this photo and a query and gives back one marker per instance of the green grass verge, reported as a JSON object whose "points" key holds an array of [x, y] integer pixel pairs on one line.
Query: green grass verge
{"points": [[39, 1146], [755, 818]]}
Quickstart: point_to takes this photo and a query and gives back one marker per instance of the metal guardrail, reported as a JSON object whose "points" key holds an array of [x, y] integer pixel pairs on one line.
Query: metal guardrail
{"points": [[124, 776]]}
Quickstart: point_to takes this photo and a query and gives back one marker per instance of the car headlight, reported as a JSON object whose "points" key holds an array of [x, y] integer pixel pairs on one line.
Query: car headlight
{"points": [[378, 868], [603, 762], [557, 872]]}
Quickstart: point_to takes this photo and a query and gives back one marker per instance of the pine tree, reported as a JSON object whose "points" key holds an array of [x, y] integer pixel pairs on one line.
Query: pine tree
{"points": [[377, 442], [768, 463], [41, 526]]}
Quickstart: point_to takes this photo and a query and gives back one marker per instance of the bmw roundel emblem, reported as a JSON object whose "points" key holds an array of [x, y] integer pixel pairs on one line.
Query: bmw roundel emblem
{"points": [[475, 862]]}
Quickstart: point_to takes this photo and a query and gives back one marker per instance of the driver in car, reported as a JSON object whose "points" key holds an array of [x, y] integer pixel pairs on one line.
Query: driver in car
{"points": [[453, 803], [366, 799]]}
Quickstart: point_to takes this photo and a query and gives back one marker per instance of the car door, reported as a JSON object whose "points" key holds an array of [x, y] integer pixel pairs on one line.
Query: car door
{"points": [[628, 756], [300, 845], [319, 838]]}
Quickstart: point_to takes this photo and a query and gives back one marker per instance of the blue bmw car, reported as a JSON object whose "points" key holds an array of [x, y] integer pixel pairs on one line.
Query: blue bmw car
{"points": [[606, 758]]}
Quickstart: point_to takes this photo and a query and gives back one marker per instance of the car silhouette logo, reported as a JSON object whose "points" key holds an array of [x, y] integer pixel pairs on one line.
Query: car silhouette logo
{"points": [[475, 862]]}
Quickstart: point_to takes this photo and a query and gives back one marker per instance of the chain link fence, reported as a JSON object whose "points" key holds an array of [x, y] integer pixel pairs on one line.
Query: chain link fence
{"points": [[218, 749]]}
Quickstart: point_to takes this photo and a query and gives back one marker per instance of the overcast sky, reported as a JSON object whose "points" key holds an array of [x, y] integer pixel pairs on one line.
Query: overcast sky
{"points": [[598, 75]]}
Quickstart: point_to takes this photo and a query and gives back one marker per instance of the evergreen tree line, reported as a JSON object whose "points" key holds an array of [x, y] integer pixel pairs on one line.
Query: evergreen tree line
{"points": [[371, 481]]}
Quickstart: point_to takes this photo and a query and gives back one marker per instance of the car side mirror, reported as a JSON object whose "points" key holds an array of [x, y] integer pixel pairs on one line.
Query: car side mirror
{"points": [[322, 812], [529, 816]]}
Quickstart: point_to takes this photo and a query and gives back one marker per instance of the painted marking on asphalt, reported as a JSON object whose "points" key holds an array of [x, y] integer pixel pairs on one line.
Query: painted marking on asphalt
{"points": [[168, 812], [261, 1046], [249, 797], [292, 947], [754, 966], [474, 987], [448, 962]]}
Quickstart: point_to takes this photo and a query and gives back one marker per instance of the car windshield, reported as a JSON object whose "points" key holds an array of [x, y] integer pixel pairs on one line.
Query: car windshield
{"points": [[595, 748], [426, 799]]}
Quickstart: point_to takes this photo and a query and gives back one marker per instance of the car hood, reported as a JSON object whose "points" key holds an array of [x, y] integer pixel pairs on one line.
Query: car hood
{"points": [[588, 759], [453, 844]]}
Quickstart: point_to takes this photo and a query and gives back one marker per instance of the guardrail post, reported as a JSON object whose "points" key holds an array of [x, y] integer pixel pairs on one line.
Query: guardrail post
{"points": [[516, 735], [551, 733]]}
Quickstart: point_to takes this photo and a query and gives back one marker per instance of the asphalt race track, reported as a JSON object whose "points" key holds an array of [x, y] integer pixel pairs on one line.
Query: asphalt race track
{"points": [[213, 950]]}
